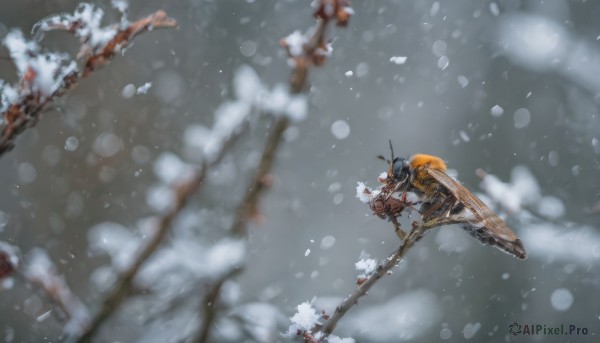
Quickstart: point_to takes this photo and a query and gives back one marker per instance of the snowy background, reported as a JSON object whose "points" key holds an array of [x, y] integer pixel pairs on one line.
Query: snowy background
{"points": [[510, 87]]}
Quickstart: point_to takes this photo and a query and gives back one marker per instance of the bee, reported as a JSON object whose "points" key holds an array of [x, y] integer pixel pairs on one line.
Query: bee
{"points": [[443, 196]]}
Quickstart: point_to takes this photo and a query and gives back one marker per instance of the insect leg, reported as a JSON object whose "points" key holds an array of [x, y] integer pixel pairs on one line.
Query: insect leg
{"points": [[401, 234], [439, 207], [429, 208]]}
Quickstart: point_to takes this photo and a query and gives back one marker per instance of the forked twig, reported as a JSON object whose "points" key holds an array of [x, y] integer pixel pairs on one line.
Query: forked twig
{"points": [[182, 195]]}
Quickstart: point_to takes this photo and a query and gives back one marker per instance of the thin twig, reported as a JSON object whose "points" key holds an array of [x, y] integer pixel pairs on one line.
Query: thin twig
{"points": [[258, 184], [122, 287], [298, 82], [383, 268], [210, 301], [249, 204]]}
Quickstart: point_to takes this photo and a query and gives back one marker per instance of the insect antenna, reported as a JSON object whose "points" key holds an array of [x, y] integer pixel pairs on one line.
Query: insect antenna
{"points": [[386, 161]]}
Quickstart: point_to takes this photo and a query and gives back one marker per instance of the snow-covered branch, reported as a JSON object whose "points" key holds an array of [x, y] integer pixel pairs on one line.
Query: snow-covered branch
{"points": [[183, 189], [45, 76], [304, 51]]}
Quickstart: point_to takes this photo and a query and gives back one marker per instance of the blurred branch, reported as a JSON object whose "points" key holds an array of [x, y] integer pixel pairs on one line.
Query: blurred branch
{"points": [[259, 183], [183, 193], [40, 275], [209, 303], [32, 94], [303, 53], [496, 195], [417, 232], [248, 206]]}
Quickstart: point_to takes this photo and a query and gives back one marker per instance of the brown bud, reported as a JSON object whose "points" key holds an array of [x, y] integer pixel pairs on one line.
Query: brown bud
{"points": [[339, 10], [6, 266]]}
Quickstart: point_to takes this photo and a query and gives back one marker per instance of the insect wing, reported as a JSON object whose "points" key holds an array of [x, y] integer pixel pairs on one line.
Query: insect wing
{"points": [[482, 223]]}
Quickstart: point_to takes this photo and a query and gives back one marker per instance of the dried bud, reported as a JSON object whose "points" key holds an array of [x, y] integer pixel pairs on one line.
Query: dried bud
{"points": [[361, 280], [6, 268], [319, 56], [384, 206], [339, 10], [9, 260], [268, 180]]}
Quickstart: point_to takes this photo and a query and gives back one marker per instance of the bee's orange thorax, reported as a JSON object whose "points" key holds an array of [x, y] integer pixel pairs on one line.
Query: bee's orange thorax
{"points": [[434, 162]]}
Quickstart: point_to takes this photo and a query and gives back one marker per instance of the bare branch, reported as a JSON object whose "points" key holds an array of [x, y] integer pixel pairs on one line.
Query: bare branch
{"points": [[210, 302], [259, 182]]}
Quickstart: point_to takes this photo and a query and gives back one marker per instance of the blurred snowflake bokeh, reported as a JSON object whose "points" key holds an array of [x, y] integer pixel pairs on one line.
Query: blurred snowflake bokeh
{"points": [[506, 91]]}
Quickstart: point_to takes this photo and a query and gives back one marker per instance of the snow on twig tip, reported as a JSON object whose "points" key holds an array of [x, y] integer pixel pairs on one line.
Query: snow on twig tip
{"points": [[303, 320], [295, 42], [365, 265], [41, 74], [85, 23], [364, 193]]}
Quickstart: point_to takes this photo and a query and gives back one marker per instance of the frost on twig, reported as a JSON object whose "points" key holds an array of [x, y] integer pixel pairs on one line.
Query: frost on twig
{"points": [[303, 322], [365, 266], [39, 274], [44, 76]]}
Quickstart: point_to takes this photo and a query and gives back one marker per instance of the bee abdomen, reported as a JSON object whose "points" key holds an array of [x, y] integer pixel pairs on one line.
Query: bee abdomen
{"points": [[483, 235], [458, 208]]}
